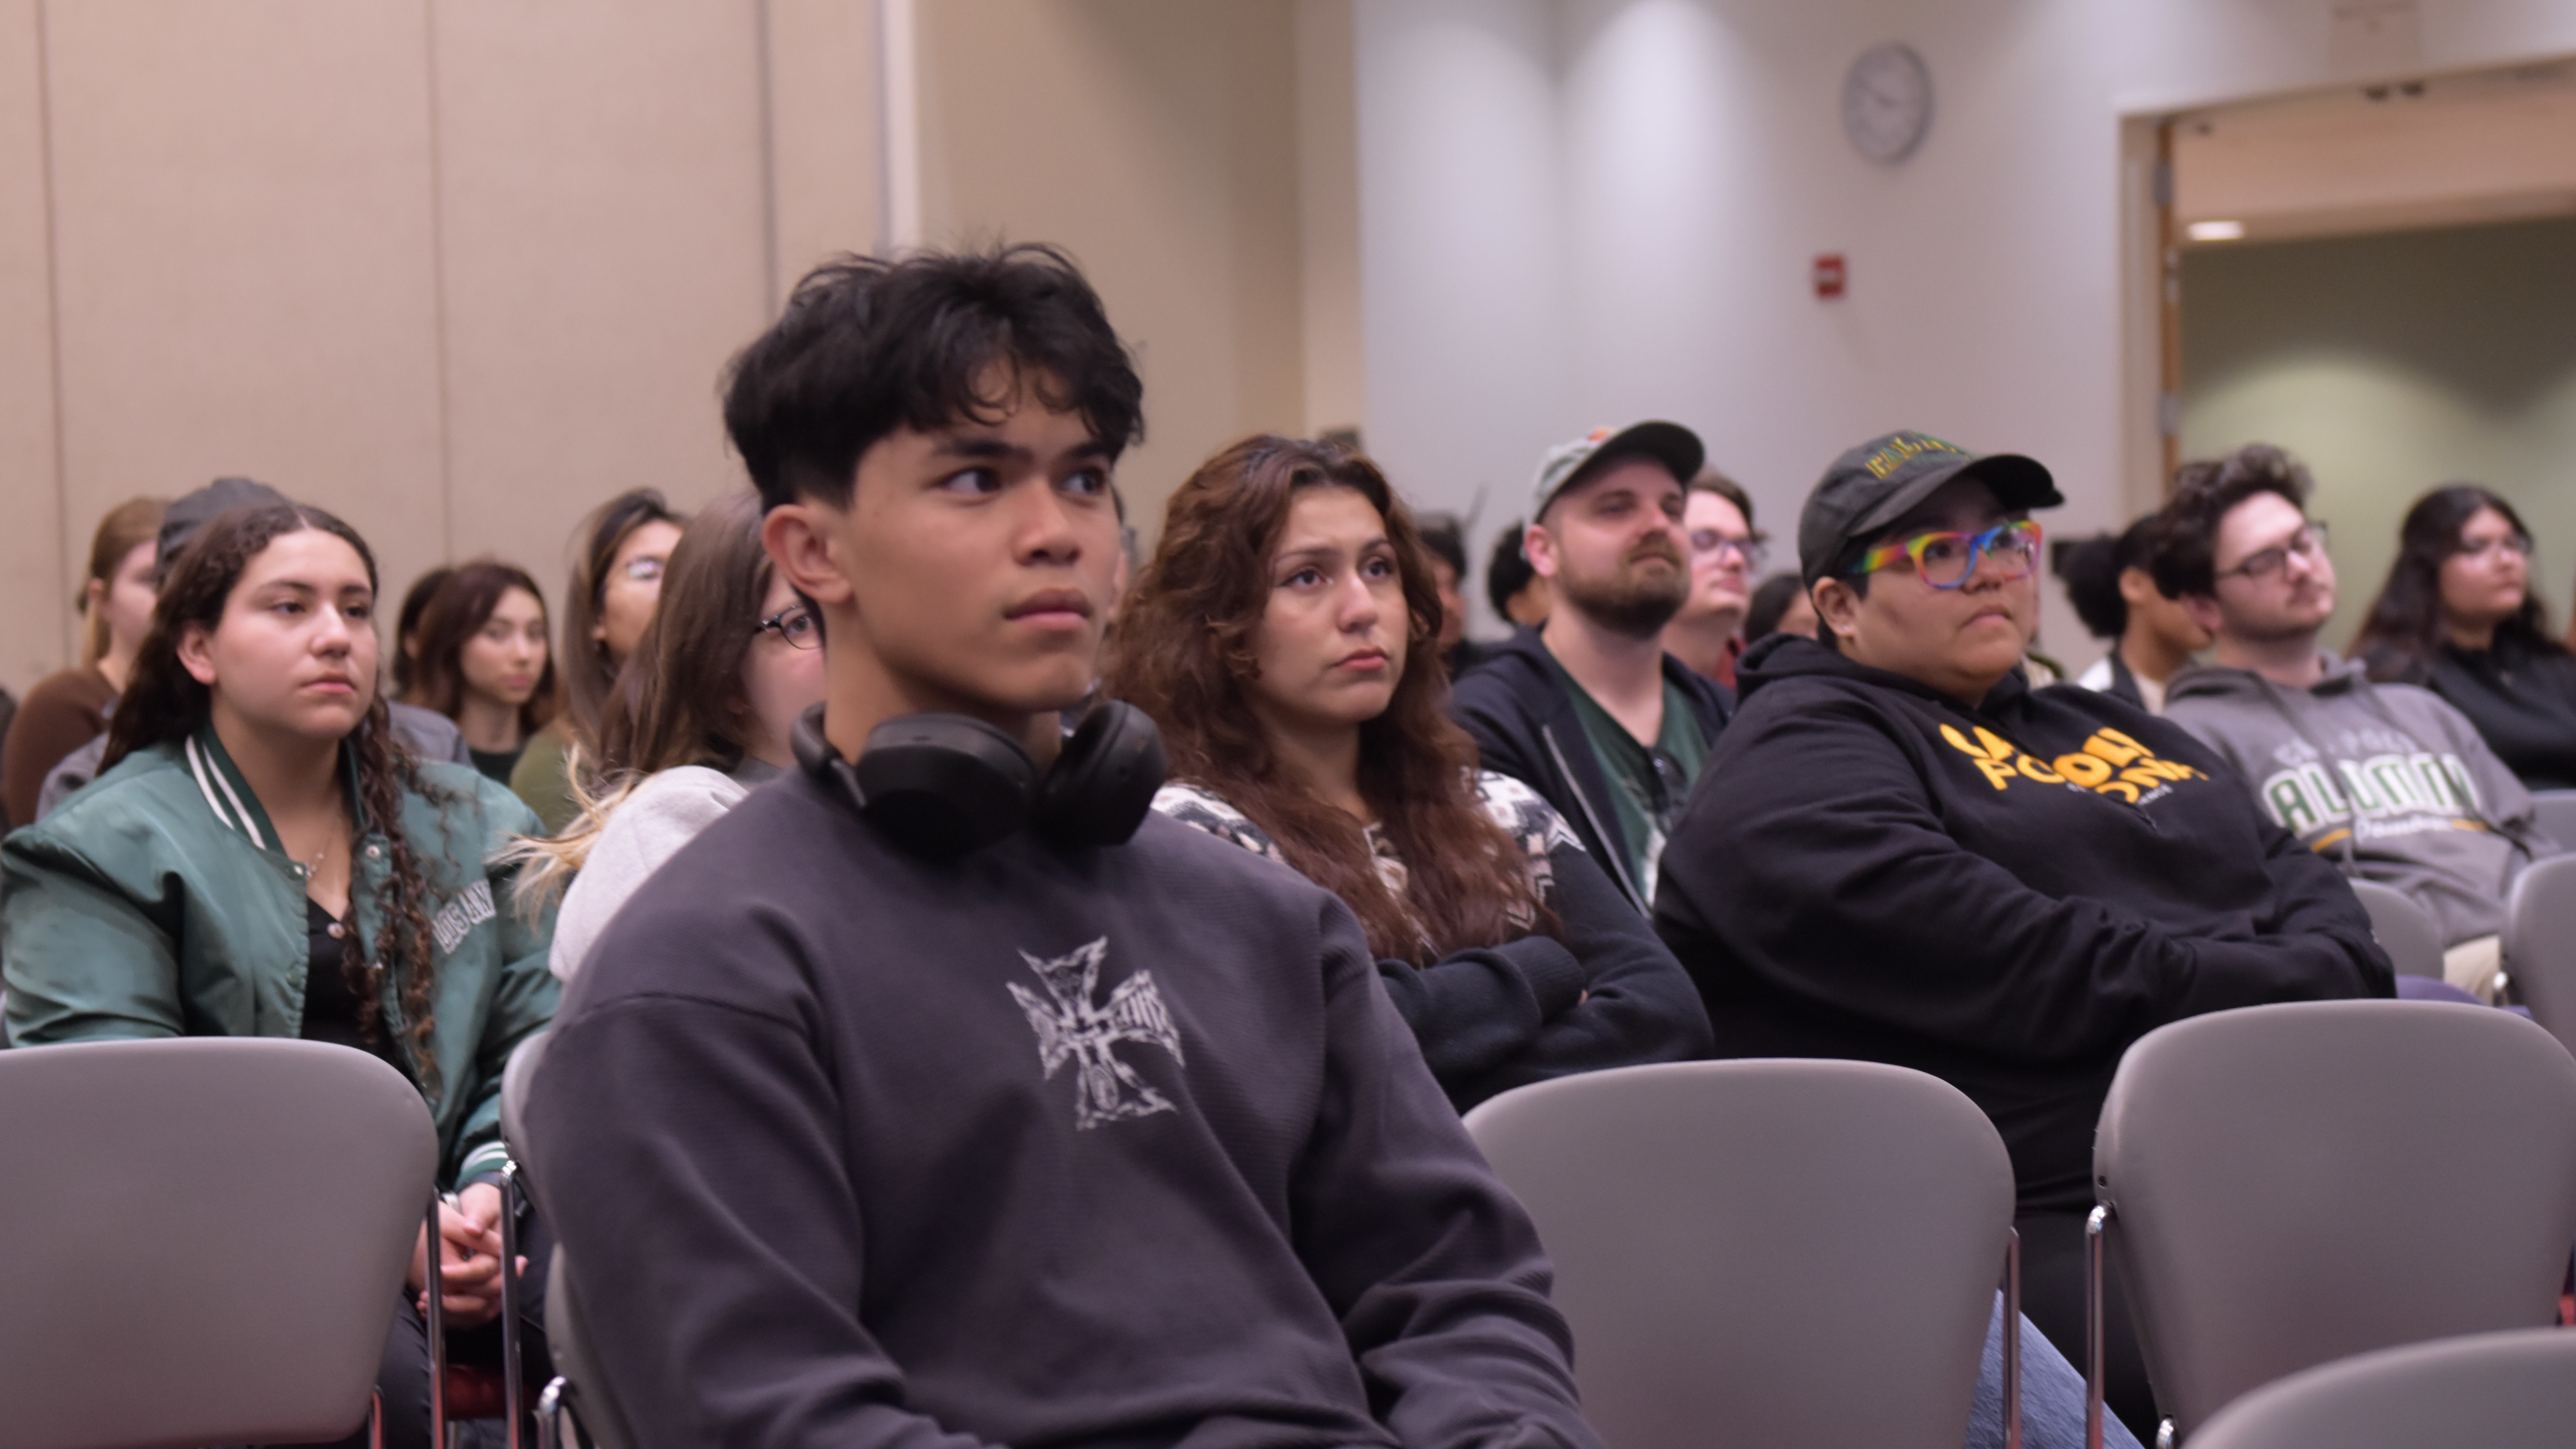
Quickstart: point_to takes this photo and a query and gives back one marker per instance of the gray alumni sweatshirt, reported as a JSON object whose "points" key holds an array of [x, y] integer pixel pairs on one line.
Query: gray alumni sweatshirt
{"points": [[1120, 1147], [2386, 780]]}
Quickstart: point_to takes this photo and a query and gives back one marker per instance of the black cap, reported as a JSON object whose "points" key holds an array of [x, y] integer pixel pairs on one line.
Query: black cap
{"points": [[192, 511], [1874, 485]]}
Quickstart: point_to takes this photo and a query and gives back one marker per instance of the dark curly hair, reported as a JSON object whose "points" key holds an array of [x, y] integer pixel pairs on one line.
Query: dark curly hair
{"points": [[2185, 556], [1184, 650], [164, 704], [2403, 632]]}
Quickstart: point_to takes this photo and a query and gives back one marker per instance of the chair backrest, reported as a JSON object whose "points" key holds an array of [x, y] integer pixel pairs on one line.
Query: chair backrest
{"points": [[1784, 1253], [2513, 1390], [2299, 1183], [2540, 942], [2555, 811], [206, 1237], [515, 1076], [2406, 931], [569, 1341]]}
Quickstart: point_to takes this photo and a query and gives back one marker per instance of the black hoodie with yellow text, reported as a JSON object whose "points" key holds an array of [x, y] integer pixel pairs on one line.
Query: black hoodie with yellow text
{"points": [[2004, 896]]}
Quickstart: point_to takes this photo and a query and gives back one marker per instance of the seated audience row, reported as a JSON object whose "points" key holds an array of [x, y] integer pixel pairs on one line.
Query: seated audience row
{"points": [[879, 902]]}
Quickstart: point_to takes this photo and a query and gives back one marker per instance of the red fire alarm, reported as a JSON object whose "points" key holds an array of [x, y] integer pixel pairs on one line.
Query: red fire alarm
{"points": [[1829, 274]]}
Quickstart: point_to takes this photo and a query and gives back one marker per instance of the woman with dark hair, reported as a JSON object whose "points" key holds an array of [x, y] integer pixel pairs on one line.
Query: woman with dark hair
{"points": [[406, 660], [1284, 638], [1780, 606], [2114, 591], [701, 714], [2457, 615], [68, 710], [483, 662], [616, 582], [261, 856]]}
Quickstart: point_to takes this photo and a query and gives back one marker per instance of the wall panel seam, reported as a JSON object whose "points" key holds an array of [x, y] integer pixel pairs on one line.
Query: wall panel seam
{"points": [[65, 537], [438, 287]]}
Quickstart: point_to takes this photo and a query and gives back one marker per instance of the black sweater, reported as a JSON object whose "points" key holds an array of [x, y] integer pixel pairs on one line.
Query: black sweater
{"points": [[1874, 870], [1525, 726], [2523, 702], [1097, 1147], [1600, 992]]}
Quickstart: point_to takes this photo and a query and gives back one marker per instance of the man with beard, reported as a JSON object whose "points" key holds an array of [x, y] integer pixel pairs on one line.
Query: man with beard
{"points": [[2388, 781], [1588, 709]]}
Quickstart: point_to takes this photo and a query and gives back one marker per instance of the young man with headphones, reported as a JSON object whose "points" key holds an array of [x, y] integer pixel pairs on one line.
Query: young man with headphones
{"points": [[940, 1093]]}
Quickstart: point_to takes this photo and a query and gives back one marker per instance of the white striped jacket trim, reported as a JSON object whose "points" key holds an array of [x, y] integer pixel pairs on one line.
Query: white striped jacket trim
{"points": [[209, 780]]}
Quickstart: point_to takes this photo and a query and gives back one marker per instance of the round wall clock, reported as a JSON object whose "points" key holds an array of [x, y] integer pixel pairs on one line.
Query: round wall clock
{"points": [[1887, 103]]}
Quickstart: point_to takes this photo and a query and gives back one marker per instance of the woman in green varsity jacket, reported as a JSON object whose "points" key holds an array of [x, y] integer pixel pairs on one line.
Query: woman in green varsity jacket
{"points": [[261, 857]]}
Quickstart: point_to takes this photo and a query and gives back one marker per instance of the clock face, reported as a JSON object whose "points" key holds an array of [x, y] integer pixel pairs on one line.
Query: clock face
{"points": [[1887, 103]]}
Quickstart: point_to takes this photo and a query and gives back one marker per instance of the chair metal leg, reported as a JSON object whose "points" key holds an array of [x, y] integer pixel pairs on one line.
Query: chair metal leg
{"points": [[376, 1420], [2012, 1338], [510, 1389], [2094, 1227], [550, 1415], [435, 1313]]}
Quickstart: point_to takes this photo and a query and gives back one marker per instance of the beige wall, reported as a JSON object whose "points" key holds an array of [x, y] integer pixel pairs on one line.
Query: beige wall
{"points": [[1168, 164], [456, 269], [35, 630]]}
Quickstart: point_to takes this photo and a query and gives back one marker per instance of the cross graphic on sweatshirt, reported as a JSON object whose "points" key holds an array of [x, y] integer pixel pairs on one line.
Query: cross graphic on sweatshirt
{"points": [[1071, 1029]]}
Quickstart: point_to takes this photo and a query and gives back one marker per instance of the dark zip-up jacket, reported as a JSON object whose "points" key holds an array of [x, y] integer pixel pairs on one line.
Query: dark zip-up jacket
{"points": [[1117, 1147], [1525, 726], [2005, 897]]}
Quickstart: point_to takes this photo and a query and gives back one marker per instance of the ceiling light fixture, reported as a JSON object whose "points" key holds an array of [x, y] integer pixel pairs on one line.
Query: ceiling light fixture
{"points": [[2215, 231]]}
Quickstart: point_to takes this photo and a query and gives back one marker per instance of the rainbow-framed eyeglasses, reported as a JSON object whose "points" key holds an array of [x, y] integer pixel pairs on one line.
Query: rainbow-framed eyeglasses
{"points": [[1948, 560]]}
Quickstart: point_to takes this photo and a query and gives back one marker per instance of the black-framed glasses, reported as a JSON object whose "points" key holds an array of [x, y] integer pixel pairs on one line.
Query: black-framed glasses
{"points": [[1707, 541], [2307, 547], [795, 624]]}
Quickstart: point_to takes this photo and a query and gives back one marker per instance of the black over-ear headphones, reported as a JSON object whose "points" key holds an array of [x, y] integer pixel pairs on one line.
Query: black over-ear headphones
{"points": [[944, 784]]}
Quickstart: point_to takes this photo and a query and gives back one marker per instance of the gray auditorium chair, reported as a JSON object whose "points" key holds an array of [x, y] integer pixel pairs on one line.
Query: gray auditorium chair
{"points": [[1782, 1253], [577, 1392], [2514, 1390], [2555, 811], [2406, 931], [207, 1238], [2287, 1185], [2540, 942]]}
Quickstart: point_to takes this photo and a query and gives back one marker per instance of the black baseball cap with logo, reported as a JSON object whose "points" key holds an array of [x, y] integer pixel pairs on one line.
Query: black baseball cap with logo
{"points": [[1875, 484]]}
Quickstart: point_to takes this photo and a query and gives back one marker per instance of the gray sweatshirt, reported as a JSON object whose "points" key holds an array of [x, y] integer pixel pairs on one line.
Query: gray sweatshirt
{"points": [[2386, 780]]}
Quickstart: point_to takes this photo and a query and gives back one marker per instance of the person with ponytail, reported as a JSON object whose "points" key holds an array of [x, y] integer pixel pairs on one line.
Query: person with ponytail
{"points": [[702, 713], [1284, 639], [262, 856]]}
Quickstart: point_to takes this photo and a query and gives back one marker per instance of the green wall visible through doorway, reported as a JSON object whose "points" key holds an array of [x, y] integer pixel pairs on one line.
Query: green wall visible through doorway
{"points": [[2391, 364]]}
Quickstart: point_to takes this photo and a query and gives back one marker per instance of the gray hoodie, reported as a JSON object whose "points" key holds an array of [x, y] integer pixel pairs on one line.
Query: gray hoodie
{"points": [[2387, 780]]}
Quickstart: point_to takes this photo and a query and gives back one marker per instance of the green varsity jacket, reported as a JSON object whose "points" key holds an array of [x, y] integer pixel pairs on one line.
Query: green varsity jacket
{"points": [[157, 902]]}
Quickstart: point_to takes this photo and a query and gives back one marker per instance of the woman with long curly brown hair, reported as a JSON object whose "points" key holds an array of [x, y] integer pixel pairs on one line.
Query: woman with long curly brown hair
{"points": [[1283, 637], [261, 856]]}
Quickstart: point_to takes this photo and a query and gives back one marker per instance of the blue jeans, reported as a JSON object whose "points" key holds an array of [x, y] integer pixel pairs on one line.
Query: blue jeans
{"points": [[2052, 1395]]}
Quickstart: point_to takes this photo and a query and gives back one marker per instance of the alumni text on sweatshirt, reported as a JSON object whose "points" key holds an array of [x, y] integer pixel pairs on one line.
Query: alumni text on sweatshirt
{"points": [[2386, 780]]}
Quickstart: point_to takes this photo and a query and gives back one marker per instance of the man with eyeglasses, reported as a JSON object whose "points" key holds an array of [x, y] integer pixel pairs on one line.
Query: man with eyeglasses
{"points": [[2387, 781], [1587, 709], [1726, 554], [1904, 853]]}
